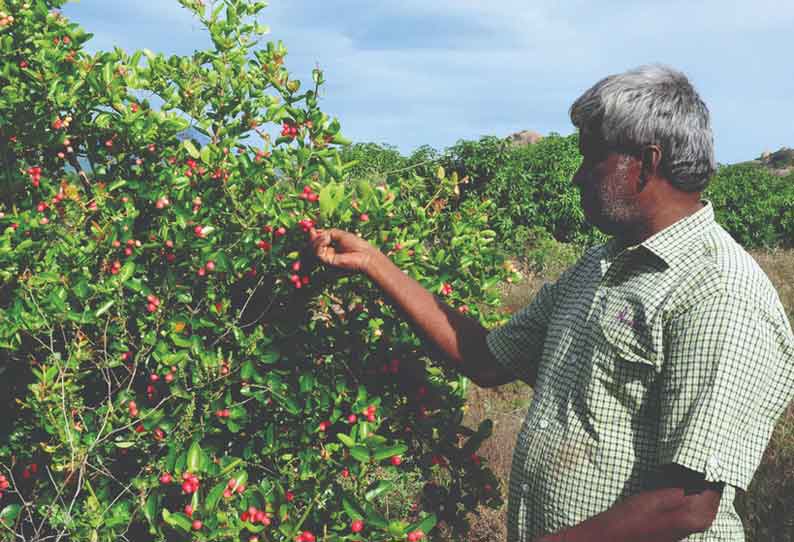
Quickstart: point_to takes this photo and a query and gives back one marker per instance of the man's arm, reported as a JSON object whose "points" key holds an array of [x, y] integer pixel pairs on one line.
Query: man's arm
{"points": [[681, 503], [460, 338]]}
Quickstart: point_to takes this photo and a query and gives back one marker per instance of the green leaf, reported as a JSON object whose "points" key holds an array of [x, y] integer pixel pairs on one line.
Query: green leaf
{"points": [[126, 271], [380, 487], [206, 154], [352, 509], [150, 510], [425, 525], [177, 519], [385, 452], [214, 496], [191, 149], [9, 513], [360, 453], [194, 457], [346, 440], [104, 308]]}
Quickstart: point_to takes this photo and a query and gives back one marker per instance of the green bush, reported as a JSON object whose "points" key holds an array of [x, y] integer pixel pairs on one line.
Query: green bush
{"points": [[754, 205], [170, 357]]}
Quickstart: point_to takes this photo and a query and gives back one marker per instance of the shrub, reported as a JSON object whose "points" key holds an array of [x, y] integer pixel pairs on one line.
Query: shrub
{"points": [[172, 362], [754, 205]]}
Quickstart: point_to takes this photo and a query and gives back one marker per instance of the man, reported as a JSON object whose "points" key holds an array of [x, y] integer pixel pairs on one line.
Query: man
{"points": [[660, 361]]}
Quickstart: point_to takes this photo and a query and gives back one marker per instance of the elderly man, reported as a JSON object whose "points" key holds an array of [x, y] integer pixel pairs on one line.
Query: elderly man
{"points": [[660, 361]]}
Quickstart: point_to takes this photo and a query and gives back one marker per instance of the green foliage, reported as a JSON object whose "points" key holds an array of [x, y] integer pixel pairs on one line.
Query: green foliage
{"points": [[125, 354], [754, 205]]}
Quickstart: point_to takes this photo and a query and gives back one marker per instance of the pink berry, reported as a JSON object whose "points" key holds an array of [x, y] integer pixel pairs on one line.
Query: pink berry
{"points": [[197, 525], [357, 526], [188, 510], [210, 266]]}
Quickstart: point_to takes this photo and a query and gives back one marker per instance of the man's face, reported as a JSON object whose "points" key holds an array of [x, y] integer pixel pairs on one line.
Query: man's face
{"points": [[607, 182]]}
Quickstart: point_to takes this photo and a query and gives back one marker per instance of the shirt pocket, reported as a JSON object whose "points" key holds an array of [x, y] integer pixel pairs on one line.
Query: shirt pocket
{"points": [[626, 364]]}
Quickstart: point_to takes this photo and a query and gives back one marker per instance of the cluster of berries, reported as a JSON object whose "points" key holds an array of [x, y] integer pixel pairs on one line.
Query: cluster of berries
{"points": [[306, 224], [208, 267], [169, 256], [162, 203], [309, 194], [3, 484], [30, 470], [222, 413], [190, 483], [305, 536], [200, 232], [35, 175], [255, 515], [60, 123], [168, 377], [415, 536], [115, 267], [370, 413], [439, 460], [153, 303], [392, 367], [296, 279], [5, 19], [288, 130], [232, 487], [192, 166]]}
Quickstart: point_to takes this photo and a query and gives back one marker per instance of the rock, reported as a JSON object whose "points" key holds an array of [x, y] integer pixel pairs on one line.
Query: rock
{"points": [[524, 137]]}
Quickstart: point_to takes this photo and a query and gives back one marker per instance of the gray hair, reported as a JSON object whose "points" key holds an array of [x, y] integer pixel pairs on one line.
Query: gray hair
{"points": [[652, 104]]}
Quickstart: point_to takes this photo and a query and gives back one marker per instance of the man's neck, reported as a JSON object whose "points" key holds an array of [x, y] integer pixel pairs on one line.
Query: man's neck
{"points": [[663, 217]]}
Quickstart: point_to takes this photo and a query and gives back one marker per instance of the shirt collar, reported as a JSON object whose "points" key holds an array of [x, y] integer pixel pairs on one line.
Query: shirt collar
{"points": [[674, 239]]}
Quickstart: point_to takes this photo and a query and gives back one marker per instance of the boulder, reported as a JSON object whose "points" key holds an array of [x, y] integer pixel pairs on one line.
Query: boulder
{"points": [[524, 137]]}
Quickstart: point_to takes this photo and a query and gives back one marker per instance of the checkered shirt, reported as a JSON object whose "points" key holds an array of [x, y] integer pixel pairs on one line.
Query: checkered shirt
{"points": [[676, 350]]}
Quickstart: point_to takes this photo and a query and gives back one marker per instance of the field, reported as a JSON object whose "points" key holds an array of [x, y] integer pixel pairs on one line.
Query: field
{"points": [[765, 509]]}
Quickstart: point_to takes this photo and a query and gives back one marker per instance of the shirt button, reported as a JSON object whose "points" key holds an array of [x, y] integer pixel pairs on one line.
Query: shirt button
{"points": [[543, 424]]}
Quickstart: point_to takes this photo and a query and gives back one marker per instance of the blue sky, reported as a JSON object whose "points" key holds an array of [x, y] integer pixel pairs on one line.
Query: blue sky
{"points": [[432, 72]]}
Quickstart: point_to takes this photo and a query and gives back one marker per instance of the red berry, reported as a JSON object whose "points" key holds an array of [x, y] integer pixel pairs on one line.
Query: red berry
{"points": [[151, 307], [210, 266], [345, 473], [352, 418], [259, 516], [227, 493], [166, 478], [169, 377], [153, 377], [364, 217], [357, 526], [188, 510], [289, 496], [244, 516], [396, 460], [197, 525]]}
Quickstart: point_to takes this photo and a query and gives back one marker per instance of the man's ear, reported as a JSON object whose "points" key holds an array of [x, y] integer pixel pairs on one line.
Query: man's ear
{"points": [[651, 163]]}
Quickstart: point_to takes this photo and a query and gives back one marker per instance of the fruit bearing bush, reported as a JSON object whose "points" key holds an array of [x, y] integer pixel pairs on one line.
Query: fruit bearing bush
{"points": [[174, 364]]}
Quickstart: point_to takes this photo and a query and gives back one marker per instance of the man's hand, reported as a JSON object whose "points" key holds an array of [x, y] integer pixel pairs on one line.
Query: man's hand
{"points": [[342, 249]]}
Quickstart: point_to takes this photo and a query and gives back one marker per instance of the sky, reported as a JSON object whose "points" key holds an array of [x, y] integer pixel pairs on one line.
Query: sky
{"points": [[433, 72]]}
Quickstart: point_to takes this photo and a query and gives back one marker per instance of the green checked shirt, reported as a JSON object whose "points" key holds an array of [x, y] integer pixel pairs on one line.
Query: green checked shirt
{"points": [[676, 350]]}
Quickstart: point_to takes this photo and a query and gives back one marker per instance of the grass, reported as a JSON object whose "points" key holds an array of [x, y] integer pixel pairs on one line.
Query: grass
{"points": [[766, 508]]}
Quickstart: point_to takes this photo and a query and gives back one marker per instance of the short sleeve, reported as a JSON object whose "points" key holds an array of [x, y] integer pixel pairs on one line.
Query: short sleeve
{"points": [[518, 344], [727, 377]]}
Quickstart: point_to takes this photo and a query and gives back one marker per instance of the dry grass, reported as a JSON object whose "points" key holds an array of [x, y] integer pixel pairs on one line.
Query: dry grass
{"points": [[767, 507]]}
